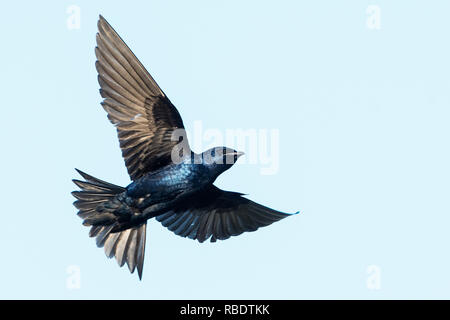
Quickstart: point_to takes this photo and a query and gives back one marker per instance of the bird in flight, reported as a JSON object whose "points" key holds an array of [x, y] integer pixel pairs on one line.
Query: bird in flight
{"points": [[170, 182]]}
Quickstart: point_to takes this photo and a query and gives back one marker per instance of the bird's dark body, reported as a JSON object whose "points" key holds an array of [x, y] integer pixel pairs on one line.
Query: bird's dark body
{"points": [[159, 191], [169, 182], [171, 179]]}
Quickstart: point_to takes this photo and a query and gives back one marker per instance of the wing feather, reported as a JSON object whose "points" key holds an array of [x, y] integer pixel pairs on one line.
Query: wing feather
{"points": [[144, 117], [217, 215]]}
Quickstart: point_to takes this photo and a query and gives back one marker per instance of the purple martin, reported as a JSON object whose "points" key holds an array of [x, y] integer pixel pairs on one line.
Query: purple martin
{"points": [[170, 182]]}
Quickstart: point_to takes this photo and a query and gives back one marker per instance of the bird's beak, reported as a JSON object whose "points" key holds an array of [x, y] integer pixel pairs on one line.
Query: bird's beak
{"points": [[236, 154]]}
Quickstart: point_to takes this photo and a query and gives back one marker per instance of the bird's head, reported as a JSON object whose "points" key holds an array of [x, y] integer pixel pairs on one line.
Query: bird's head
{"points": [[219, 159]]}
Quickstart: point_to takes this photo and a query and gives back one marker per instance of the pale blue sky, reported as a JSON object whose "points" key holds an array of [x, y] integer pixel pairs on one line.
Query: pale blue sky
{"points": [[363, 118]]}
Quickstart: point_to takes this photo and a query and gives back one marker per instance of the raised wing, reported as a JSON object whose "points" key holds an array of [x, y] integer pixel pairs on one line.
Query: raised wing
{"points": [[144, 117], [218, 214]]}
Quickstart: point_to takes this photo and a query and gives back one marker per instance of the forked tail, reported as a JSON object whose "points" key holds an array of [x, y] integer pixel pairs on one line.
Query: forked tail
{"points": [[128, 245]]}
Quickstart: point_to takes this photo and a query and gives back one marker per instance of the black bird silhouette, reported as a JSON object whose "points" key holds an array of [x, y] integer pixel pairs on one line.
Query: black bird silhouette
{"points": [[169, 181]]}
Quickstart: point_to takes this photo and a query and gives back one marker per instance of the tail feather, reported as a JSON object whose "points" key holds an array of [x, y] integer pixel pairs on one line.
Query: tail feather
{"points": [[93, 201], [100, 183], [128, 246]]}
